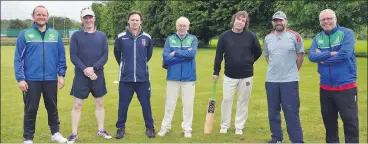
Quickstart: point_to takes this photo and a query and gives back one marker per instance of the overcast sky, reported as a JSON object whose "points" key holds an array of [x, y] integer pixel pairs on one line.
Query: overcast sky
{"points": [[23, 9]]}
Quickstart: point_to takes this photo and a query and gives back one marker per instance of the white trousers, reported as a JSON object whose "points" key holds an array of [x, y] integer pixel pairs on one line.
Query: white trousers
{"points": [[187, 94], [244, 87]]}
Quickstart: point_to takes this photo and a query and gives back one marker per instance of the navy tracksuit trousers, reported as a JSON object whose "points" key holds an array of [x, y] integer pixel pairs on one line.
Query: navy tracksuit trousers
{"points": [[284, 95], [126, 91]]}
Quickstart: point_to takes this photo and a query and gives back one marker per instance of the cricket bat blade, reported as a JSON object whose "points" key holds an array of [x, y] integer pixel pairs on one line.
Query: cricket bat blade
{"points": [[210, 116]]}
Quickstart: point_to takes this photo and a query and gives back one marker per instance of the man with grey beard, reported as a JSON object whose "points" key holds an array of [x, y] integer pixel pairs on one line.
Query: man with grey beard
{"points": [[283, 49]]}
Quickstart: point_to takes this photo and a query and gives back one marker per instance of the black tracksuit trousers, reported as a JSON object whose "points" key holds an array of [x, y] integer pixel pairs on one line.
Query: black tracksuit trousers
{"points": [[345, 103], [31, 100]]}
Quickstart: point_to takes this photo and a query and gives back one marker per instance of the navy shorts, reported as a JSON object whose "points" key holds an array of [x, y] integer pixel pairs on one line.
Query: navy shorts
{"points": [[83, 85]]}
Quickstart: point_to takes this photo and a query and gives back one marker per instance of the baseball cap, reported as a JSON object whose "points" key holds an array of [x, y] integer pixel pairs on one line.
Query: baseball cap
{"points": [[279, 15], [87, 11]]}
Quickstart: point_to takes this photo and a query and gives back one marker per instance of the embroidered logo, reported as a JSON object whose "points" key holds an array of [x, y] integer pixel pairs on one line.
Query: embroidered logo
{"points": [[337, 40], [144, 42], [247, 83], [320, 41], [51, 37], [173, 41], [31, 36]]}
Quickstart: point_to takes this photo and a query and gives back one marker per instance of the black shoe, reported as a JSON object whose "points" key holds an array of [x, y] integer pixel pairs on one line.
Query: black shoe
{"points": [[274, 141], [150, 132], [120, 133]]}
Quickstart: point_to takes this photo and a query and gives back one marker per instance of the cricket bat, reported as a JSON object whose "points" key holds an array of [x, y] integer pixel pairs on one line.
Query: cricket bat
{"points": [[210, 110]]}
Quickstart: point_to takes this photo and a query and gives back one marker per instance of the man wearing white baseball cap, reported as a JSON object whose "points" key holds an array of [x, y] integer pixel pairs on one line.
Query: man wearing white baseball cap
{"points": [[89, 54]]}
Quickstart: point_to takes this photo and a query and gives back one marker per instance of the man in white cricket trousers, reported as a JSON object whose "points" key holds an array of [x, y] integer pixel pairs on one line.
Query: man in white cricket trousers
{"points": [[179, 60], [240, 48]]}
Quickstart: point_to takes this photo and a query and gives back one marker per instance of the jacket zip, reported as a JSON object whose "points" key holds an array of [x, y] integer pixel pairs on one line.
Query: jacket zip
{"points": [[329, 66], [135, 57], [181, 64], [43, 54], [135, 45]]}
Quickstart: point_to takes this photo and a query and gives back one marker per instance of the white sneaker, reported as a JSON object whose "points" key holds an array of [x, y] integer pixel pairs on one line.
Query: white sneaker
{"points": [[28, 142], [57, 137], [104, 134], [163, 132], [238, 131], [223, 130], [187, 134]]}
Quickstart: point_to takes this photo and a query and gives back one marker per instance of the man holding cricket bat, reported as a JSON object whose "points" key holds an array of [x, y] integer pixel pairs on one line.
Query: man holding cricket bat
{"points": [[283, 49], [179, 56], [240, 48]]}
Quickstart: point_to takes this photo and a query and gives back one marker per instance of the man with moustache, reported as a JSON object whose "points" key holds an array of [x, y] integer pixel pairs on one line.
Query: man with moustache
{"points": [[240, 48], [89, 54], [333, 51], [179, 55], [40, 66], [283, 49], [132, 50]]}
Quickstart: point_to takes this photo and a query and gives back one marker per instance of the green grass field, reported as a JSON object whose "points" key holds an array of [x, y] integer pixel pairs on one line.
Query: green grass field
{"points": [[256, 127]]}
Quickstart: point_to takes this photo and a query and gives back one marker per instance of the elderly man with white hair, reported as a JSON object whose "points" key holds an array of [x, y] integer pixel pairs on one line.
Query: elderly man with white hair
{"points": [[179, 60]]}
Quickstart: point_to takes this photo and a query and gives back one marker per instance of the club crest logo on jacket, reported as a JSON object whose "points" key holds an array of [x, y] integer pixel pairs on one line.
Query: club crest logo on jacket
{"points": [[144, 42]]}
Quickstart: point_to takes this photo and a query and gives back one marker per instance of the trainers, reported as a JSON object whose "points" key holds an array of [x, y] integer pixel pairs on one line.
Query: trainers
{"points": [[150, 132], [238, 131], [163, 132], [27, 142], [120, 133], [72, 138], [274, 141], [104, 134], [223, 130], [57, 137], [187, 134]]}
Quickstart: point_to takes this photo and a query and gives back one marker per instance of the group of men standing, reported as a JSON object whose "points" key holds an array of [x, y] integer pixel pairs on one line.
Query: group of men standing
{"points": [[40, 67]]}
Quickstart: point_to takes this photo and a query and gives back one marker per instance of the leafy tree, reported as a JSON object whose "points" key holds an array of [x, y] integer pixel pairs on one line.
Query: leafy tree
{"points": [[304, 15], [119, 11], [17, 24], [158, 20], [98, 10]]}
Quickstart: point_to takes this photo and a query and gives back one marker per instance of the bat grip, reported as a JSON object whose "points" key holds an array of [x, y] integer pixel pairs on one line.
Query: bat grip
{"points": [[214, 89]]}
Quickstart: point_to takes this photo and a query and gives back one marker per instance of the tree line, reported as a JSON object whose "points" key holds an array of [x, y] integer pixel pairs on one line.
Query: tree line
{"points": [[58, 23], [210, 18]]}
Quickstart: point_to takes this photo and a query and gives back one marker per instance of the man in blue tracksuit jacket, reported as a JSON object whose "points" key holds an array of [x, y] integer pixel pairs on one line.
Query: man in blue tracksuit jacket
{"points": [[38, 61], [179, 55], [133, 50], [333, 50]]}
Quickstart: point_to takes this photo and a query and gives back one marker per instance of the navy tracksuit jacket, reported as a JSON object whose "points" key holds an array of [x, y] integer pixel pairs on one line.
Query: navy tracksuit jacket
{"points": [[132, 53]]}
